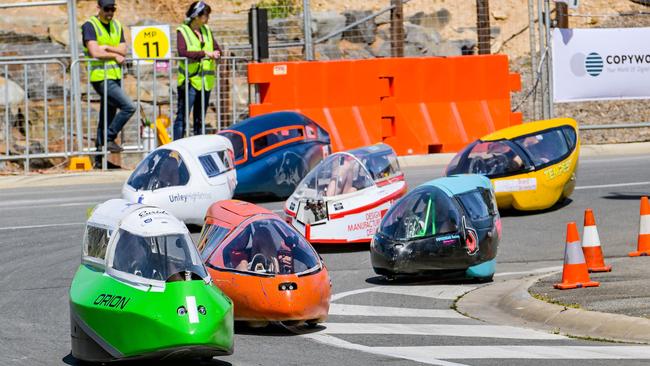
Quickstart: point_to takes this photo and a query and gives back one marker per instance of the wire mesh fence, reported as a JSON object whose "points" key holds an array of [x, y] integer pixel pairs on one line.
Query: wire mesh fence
{"points": [[605, 114]]}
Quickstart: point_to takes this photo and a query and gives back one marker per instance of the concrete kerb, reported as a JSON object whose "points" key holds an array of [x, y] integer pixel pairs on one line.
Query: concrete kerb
{"points": [[47, 180], [585, 151], [509, 303], [115, 176]]}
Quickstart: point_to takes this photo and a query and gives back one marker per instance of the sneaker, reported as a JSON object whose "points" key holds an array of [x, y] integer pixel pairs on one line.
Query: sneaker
{"points": [[113, 147]]}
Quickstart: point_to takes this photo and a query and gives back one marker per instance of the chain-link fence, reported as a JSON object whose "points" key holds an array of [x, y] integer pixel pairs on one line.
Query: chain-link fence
{"points": [[338, 29], [600, 121]]}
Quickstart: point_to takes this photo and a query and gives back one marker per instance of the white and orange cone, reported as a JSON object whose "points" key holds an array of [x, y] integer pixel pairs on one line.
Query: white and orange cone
{"points": [[591, 245], [574, 273], [643, 243]]}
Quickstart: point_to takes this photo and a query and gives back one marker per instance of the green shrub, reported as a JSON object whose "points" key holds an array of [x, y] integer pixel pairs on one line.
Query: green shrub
{"points": [[281, 8]]}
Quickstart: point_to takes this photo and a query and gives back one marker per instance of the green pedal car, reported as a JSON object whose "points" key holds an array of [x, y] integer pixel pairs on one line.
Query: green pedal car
{"points": [[142, 291]]}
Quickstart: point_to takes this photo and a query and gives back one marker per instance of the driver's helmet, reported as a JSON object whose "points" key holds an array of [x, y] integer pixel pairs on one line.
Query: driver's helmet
{"points": [[263, 252]]}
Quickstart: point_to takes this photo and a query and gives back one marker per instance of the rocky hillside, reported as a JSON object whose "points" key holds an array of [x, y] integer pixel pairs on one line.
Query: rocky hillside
{"points": [[432, 27]]}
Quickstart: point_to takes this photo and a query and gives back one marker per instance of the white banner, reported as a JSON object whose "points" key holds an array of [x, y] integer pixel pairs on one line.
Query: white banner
{"points": [[599, 64]]}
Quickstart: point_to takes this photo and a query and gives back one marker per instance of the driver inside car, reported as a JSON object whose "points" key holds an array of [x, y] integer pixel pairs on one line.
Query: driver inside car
{"points": [[263, 257], [132, 255]]}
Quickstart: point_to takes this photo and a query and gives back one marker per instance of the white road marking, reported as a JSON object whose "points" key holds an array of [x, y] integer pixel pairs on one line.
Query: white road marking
{"points": [[448, 330], [340, 343], [73, 204], [41, 226], [434, 291], [614, 185], [192, 311], [518, 352], [363, 310], [61, 200], [535, 271]]}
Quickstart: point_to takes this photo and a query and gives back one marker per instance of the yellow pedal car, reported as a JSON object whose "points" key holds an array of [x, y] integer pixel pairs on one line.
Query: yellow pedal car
{"points": [[532, 166]]}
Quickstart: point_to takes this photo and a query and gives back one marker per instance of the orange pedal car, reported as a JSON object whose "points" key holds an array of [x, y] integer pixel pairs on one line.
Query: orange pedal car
{"points": [[264, 265]]}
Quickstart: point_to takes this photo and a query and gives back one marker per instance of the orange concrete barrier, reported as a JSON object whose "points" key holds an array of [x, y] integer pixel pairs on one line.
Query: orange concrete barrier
{"points": [[417, 105]]}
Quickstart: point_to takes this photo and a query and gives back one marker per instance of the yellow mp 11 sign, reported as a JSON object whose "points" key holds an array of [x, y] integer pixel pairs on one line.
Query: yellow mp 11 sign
{"points": [[151, 41]]}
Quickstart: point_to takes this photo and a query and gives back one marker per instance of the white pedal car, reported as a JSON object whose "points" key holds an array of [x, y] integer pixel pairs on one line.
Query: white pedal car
{"points": [[343, 199], [185, 177]]}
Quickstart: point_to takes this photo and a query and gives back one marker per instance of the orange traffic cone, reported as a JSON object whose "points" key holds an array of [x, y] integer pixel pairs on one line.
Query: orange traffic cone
{"points": [[643, 244], [574, 273], [591, 245]]}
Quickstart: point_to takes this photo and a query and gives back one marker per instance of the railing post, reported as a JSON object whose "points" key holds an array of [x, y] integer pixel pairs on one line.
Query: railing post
{"points": [[7, 109], [309, 45], [397, 29], [76, 80], [45, 109], [483, 26], [26, 78]]}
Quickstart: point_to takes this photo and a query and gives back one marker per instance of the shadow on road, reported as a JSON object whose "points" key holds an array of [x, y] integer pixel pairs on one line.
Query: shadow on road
{"points": [[424, 280], [275, 330], [624, 196], [515, 213], [70, 360], [341, 248]]}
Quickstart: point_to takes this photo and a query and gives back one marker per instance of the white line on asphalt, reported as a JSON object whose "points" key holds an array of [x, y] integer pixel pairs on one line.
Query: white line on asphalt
{"points": [[363, 310], [614, 185], [337, 342], [448, 330], [434, 291], [517, 352], [341, 295], [73, 204], [40, 226], [539, 270], [53, 201]]}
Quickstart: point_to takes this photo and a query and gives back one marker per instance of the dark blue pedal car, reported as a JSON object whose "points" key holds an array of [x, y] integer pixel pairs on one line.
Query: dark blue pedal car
{"points": [[273, 152]]}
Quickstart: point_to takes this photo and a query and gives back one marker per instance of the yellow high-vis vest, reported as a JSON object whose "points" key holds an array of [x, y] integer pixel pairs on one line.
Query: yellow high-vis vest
{"points": [[201, 73], [112, 39]]}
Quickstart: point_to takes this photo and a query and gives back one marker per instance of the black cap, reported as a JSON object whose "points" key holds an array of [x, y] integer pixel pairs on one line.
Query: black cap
{"points": [[105, 3]]}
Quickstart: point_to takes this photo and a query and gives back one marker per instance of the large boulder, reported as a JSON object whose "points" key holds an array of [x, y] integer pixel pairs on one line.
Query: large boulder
{"points": [[437, 20], [361, 33], [351, 50], [11, 94], [327, 22], [286, 29], [328, 51], [420, 40], [381, 48], [129, 83]]}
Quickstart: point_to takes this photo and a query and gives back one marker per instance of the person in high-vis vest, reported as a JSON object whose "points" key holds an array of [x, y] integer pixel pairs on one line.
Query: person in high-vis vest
{"points": [[195, 42], [103, 39]]}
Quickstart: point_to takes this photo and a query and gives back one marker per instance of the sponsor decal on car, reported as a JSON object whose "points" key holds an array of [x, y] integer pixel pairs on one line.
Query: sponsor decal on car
{"points": [[189, 197], [515, 185], [558, 170], [112, 301], [370, 223]]}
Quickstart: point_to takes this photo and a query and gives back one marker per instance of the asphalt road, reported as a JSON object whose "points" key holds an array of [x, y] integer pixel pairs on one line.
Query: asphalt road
{"points": [[370, 321]]}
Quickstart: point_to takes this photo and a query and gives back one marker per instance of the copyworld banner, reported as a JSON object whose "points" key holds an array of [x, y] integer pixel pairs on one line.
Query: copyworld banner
{"points": [[598, 64]]}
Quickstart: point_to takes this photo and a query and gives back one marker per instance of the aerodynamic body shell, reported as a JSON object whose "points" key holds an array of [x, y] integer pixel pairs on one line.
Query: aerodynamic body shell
{"points": [[449, 224], [274, 151], [185, 177], [343, 199], [142, 291], [532, 166], [267, 268]]}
